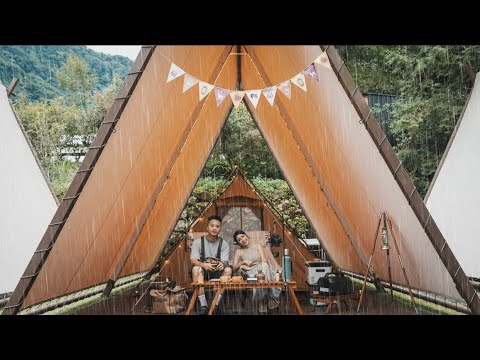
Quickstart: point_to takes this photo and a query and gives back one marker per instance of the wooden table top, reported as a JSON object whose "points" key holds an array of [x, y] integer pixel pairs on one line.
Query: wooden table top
{"points": [[244, 283]]}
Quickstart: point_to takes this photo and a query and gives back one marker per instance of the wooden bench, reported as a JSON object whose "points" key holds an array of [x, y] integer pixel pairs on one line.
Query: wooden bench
{"points": [[334, 299]]}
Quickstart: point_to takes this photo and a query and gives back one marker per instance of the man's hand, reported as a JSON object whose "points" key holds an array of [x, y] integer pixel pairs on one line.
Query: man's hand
{"points": [[220, 266], [209, 266]]}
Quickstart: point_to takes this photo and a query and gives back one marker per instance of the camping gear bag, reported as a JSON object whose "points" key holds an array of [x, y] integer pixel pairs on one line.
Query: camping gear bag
{"points": [[169, 301], [335, 284]]}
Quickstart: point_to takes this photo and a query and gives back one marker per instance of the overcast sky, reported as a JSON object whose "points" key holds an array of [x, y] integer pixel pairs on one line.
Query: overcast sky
{"points": [[130, 51]]}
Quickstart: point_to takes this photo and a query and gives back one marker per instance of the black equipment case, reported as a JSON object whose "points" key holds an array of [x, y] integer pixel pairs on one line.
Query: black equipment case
{"points": [[335, 284]]}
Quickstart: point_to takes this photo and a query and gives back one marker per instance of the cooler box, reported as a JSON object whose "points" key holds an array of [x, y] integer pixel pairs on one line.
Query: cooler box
{"points": [[317, 269]]}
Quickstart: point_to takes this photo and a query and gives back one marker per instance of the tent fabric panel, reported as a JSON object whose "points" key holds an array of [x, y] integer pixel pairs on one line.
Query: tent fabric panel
{"points": [[240, 201], [239, 187], [123, 147], [338, 144], [133, 130], [423, 216], [151, 167], [178, 265], [25, 197], [299, 174], [330, 170], [184, 173], [360, 179], [455, 196]]}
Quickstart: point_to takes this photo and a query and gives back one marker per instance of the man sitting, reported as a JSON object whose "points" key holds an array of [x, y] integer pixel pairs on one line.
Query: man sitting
{"points": [[203, 250]]}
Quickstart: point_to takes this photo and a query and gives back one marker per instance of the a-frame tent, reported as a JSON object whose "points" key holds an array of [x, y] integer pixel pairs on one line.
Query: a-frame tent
{"points": [[242, 206], [27, 202], [453, 197], [134, 182]]}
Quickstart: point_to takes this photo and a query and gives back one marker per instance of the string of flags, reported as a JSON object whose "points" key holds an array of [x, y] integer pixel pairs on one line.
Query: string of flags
{"points": [[252, 95]]}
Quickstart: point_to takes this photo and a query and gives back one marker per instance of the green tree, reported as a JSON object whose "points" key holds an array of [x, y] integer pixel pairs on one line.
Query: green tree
{"points": [[240, 143], [75, 77], [432, 83]]}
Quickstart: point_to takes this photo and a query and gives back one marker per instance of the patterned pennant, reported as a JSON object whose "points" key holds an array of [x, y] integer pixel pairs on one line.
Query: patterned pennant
{"points": [[220, 95], [204, 89], [323, 60], [310, 71], [254, 96], [237, 97], [269, 94], [299, 80], [174, 72], [188, 82], [286, 88]]}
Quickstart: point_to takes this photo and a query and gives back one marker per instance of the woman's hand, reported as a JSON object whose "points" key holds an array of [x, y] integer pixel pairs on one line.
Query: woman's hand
{"points": [[245, 267], [247, 262]]}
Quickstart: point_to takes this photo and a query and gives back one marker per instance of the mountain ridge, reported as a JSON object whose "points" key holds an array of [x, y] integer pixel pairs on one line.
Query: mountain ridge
{"points": [[35, 67]]}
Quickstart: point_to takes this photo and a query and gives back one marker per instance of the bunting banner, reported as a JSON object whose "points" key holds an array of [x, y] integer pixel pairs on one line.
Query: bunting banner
{"points": [[286, 89], [310, 71], [269, 94], [204, 89], [220, 95], [189, 81], [323, 60], [237, 97], [174, 72], [299, 80], [253, 96]]}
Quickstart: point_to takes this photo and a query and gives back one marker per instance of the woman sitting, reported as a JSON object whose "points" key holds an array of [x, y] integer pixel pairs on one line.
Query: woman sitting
{"points": [[249, 259]]}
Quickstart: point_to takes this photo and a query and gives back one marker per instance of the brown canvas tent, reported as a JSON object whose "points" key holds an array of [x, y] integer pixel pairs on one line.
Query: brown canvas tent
{"points": [[242, 207], [134, 182]]}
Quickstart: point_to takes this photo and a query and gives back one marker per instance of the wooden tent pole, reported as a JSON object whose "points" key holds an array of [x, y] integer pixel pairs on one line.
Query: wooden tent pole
{"points": [[386, 247], [368, 266], [401, 264], [390, 274]]}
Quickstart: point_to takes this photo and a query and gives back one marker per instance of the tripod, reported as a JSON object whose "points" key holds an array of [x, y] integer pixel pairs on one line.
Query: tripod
{"points": [[385, 234]]}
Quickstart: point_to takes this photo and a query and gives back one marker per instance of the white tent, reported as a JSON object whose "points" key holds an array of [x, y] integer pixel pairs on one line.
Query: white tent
{"points": [[454, 196], [27, 203]]}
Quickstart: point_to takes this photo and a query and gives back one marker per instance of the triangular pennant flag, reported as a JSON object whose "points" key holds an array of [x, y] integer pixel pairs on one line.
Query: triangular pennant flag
{"points": [[188, 82], [220, 95], [299, 80], [269, 93], [254, 96], [204, 89], [323, 60], [237, 97], [310, 71], [174, 72], [286, 88]]}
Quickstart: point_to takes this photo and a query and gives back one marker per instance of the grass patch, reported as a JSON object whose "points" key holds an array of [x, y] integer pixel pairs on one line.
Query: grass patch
{"points": [[423, 307], [72, 308]]}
